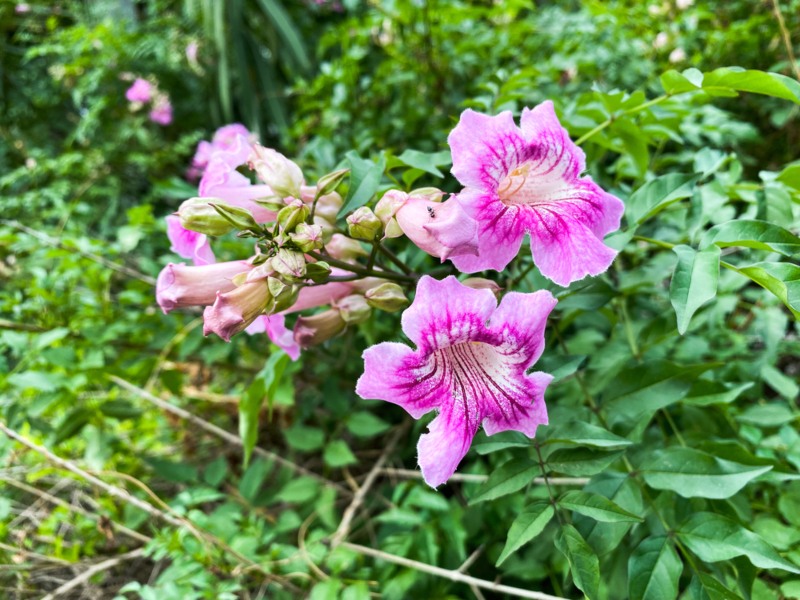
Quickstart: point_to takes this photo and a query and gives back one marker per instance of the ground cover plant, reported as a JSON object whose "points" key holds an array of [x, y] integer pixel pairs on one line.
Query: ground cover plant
{"points": [[441, 322]]}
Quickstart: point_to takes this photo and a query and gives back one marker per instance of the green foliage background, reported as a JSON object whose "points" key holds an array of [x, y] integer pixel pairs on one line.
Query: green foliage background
{"points": [[673, 452]]}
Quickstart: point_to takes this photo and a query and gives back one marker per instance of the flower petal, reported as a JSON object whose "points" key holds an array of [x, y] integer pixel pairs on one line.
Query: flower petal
{"points": [[565, 250], [555, 155], [446, 312], [530, 417], [390, 370], [485, 149], [275, 328], [520, 321], [444, 446], [189, 244]]}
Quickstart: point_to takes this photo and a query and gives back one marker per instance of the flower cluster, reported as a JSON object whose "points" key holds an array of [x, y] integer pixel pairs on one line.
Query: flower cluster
{"points": [[471, 354], [142, 92]]}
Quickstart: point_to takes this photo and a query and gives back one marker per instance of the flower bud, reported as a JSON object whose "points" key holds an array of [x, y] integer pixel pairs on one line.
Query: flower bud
{"points": [[479, 283], [328, 183], [342, 247], [307, 237], [289, 263], [363, 224], [354, 309], [197, 214], [328, 206], [318, 271], [233, 311], [385, 210], [313, 330], [387, 296], [277, 171], [291, 215], [240, 218], [283, 295]]}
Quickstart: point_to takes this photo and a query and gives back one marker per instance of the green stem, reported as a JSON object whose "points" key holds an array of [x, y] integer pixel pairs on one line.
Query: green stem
{"points": [[392, 257], [616, 116], [358, 270]]}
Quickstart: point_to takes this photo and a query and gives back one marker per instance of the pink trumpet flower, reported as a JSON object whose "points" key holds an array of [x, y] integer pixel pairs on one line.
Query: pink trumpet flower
{"points": [[189, 244], [527, 179], [470, 365], [180, 285], [223, 181]]}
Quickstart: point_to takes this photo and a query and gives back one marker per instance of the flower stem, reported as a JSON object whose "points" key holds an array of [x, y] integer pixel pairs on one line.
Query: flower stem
{"points": [[358, 270], [616, 116]]}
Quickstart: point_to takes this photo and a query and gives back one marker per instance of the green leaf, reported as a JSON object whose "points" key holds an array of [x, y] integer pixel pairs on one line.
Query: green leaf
{"points": [[790, 176], [338, 454], [596, 507], [654, 569], [120, 409], [484, 444], [580, 433], [365, 178], [298, 490], [305, 439], [782, 279], [705, 587], [525, 527], [694, 474], [753, 234], [649, 387], [263, 387], [583, 563], [37, 380], [365, 424], [727, 81], [784, 385], [425, 161], [72, 423], [773, 414], [253, 478], [694, 281], [716, 538], [578, 462], [657, 194], [705, 393], [510, 477], [288, 31]]}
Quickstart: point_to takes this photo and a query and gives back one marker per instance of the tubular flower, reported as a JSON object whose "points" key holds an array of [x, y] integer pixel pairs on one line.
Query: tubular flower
{"points": [[179, 285], [470, 364], [527, 179], [187, 243]]}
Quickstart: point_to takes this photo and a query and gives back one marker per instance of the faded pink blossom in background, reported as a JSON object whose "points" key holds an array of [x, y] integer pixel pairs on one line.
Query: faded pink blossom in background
{"points": [[527, 180], [140, 91], [161, 112], [470, 365]]}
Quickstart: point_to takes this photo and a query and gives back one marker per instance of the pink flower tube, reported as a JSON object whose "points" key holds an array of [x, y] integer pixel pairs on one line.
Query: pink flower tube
{"points": [[470, 365], [179, 285]]}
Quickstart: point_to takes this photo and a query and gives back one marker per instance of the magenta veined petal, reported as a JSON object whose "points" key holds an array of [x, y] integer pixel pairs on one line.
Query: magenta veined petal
{"points": [[469, 365], [189, 244], [527, 180]]}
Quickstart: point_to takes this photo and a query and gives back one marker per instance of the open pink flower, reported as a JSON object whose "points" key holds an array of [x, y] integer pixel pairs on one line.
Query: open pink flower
{"points": [[280, 335], [232, 143], [470, 364], [222, 180], [189, 244], [527, 179], [140, 91]]}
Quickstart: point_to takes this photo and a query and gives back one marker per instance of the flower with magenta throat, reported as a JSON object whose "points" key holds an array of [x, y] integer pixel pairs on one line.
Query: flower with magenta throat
{"points": [[527, 180], [470, 365]]}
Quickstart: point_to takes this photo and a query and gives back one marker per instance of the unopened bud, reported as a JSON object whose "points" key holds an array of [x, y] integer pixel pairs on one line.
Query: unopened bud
{"points": [[197, 214], [289, 263], [479, 283], [342, 247], [328, 183], [307, 237], [354, 309], [387, 296], [291, 215], [431, 194], [313, 330], [363, 224], [277, 171], [240, 218], [318, 271], [282, 295], [385, 210], [328, 206]]}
